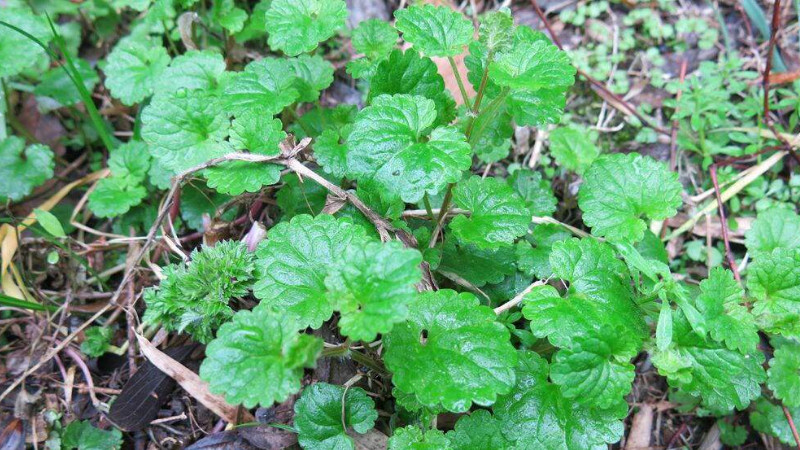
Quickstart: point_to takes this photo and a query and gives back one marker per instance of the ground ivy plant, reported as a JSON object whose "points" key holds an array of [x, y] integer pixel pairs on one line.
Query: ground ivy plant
{"points": [[548, 368], [458, 292]]}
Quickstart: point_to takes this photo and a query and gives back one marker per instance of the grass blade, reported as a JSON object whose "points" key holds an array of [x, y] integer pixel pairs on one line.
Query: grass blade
{"points": [[74, 76], [759, 20], [24, 304]]}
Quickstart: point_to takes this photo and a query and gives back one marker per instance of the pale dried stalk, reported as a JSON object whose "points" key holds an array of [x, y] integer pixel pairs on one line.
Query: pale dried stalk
{"points": [[518, 298]]}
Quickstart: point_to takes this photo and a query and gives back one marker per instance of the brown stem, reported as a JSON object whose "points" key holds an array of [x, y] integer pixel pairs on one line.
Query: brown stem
{"points": [[773, 38], [724, 225], [791, 425], [673, 144], [677, 435]]}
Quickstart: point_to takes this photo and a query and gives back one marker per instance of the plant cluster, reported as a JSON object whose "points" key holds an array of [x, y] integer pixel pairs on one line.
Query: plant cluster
{"points": [[433, 279]]}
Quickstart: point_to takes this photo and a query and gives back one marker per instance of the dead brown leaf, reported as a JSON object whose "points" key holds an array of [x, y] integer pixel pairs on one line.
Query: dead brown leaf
{"points": [[192, 384]]}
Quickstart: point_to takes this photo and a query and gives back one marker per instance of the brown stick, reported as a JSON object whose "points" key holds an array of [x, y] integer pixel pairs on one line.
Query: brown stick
{"points": [[724, 225], [677, 435]]}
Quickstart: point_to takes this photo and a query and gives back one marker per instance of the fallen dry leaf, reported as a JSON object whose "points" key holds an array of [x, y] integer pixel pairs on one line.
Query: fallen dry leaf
{"points": [[192, 384]]}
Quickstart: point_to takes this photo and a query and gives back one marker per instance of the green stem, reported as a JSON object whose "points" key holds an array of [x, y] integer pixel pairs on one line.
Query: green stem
{"points": [[427, 202], [723, 27], [171, 44], [491, 109], [293, 117], [448, 197], [74, 76], [460, 82], [343, 350], [482, 88], [3, 110], [479, 96], [334, 352], [366, 361]]}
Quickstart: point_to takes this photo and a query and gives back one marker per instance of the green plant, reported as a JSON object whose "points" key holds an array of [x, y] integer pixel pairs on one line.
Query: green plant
{"points": [[400, 148], [454, 292]]}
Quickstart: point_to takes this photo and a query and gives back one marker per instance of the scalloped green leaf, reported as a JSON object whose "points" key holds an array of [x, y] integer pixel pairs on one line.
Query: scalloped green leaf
{"points": [[298, 26], [374, 38], [533, 255], [227, 15], [264, 87], [723, 379], [478, 430], [294, 261], [595, 371], [619, 191], [476, 265], [236, 177], [134, 68], [536, 108], [434, 30], [496, 30], [258, 134], [258, 358], [324, 410], [81, 435], [774, 280], [533, 64], [446, 333], [373, 289], [784, 374], [318, 119], [23, 168], [58, 85], [409, 73], [573, 149], [130, 161], [115, 196], [413, 438], [313, 74], [192, 70], [774, 228], [769, 418], [535, 414], [185, 129], [17, 51], [726, 318], [331, 153], [535, 191], [536, 97], [387, 146], [599, 299], [497, 214], [591, 268]]}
